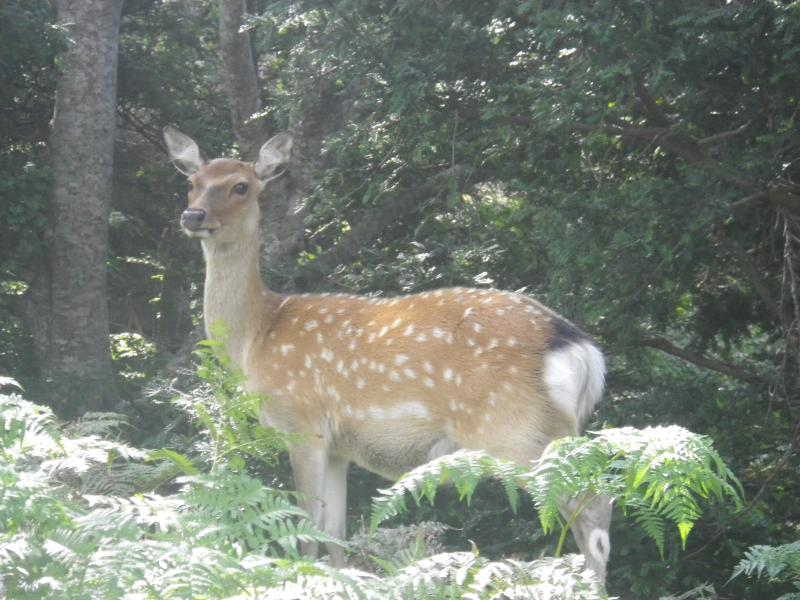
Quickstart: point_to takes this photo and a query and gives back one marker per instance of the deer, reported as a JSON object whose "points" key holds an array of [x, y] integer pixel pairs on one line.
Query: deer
{"points": [[388, 383]]}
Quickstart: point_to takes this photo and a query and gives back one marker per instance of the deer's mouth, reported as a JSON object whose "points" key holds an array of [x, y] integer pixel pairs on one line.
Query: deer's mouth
{"points": [[201, 233]]}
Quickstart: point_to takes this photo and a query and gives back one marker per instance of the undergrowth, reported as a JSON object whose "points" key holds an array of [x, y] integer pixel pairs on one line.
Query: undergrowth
{"points": [[83, 514]]}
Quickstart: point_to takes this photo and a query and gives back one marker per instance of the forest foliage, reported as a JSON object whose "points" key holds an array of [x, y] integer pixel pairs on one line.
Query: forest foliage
{"points": [[632, 164]]}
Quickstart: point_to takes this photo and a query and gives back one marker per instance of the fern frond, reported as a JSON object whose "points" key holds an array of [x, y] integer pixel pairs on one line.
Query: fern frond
{"points": [[27, 430], [655, 473], [468, 576], [101, 424], [464, 469], [776, 563]]}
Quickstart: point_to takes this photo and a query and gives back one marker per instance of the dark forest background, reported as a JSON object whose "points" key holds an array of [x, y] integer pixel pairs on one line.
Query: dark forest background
{"points": [[634, 165]]}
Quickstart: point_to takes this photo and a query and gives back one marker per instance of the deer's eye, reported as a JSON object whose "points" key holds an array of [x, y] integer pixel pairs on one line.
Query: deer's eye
{"points": [[240, 189]]}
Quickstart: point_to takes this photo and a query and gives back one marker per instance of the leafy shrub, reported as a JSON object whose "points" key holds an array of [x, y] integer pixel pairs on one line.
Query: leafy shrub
{"points": [[222, 533], [658, 475]]}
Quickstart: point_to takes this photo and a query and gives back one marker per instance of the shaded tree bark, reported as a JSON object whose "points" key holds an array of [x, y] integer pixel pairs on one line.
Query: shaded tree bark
{"points": [[240, 79], [282, 219], [68, 300]]}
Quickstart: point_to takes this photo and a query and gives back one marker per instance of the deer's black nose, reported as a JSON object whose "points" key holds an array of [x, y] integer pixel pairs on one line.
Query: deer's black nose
{"points": [[192, 218]]}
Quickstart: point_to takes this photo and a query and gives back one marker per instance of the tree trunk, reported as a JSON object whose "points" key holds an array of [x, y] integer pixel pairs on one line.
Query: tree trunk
{"points": [[240, 79], [76, 357], [282, 223]]}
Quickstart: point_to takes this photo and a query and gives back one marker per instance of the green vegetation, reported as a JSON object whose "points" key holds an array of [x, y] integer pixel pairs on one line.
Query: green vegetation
{"points": [[86, 514]]}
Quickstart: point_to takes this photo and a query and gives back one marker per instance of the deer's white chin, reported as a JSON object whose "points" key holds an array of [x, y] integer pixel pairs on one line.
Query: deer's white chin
{"points": [[199, 233]]}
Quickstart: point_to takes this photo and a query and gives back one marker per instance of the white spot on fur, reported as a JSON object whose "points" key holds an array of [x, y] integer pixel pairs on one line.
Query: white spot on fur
{"points": [[427, 366], [310, 325], [422, 337], [326, 354], [468, 312], [394, 376], [476, 327], [329, 319], [400, 359], [428, 382], [360, 383], [408, 330], [403, 410], [438, 333], [409, 373], [447, 374]]}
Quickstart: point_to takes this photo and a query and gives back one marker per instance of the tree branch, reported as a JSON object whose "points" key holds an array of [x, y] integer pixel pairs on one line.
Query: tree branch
{"points": [[719, 137], [700, 360], [787, 196]]}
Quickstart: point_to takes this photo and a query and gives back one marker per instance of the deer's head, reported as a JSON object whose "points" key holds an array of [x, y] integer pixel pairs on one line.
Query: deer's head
{"points": [[223, 193]]}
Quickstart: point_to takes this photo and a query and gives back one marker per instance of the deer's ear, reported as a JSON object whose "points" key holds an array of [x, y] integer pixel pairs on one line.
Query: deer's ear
{"points": [[273, 158], [183, 151]]}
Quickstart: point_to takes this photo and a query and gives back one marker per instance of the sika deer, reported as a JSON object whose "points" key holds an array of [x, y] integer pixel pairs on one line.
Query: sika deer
{"points": [[385, 383]]}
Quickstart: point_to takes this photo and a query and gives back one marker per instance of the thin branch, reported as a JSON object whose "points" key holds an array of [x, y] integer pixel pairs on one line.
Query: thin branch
{"points": [[719, 137], [700, 360], [785, 195], [647, 132]]}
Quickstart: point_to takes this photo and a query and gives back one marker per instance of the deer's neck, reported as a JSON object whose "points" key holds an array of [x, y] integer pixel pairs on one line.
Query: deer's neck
{"points": [[235, 297]]}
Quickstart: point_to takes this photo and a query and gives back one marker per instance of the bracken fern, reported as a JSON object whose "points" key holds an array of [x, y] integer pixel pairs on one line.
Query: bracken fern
{"points": [[659, 475], [777, 564]]}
